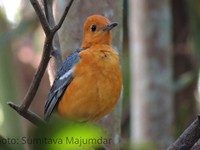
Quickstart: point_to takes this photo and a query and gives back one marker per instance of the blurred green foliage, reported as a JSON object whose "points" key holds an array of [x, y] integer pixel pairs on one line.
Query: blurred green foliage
{"points": [[68, 136]]}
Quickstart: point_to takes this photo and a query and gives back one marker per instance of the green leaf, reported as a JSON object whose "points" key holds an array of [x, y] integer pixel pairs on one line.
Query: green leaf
{"points": [[69, 136]]}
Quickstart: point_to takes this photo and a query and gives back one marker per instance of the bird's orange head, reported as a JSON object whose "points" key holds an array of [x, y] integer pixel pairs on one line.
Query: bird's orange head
{"points": [[97, 31]]}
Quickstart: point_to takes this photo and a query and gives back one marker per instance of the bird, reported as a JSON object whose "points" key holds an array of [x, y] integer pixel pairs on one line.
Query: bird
{"points": [[88, 84]]}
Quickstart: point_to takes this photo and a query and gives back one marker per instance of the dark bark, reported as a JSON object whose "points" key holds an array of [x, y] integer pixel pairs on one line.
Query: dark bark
{"points": [[188, 138]]}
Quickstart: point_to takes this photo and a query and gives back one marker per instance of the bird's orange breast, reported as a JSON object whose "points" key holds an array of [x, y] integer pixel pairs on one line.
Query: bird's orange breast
{"points": [[96, 85]]}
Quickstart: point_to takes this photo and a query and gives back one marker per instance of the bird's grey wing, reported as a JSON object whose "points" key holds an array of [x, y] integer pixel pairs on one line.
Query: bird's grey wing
{"points": [[63, 79]]}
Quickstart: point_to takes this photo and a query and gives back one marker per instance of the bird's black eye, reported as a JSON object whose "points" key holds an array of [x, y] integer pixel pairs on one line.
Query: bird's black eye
{"points": [[93, 28]]}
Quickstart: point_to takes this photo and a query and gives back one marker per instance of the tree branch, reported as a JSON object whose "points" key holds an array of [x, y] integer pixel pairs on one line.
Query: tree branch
{"points": [[63, 16], [47, 49], [196, 146], [47, 9], [39, 74], [41, 16], [48, 6], [188, 138], [28, 115]]}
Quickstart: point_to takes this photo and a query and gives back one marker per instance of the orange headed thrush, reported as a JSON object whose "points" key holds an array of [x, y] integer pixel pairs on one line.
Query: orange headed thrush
{"points": [[88, 84]]}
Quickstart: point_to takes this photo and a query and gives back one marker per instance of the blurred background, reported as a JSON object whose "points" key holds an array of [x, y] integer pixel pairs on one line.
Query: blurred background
{"points": [[160, 63]]}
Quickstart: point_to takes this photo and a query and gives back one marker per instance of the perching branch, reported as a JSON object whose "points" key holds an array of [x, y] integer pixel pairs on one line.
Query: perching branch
{"points": [[47, 49], [28, 115], [188, 138]]}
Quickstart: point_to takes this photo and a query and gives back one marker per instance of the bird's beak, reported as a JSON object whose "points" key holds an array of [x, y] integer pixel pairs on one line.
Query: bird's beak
{"points": [[109, 26]]}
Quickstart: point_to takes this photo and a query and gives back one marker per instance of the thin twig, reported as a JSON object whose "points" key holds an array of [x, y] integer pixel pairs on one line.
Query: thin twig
{"points": [[41, 16], [47, 7], [63, 17], [188, 138], [56, 59]]}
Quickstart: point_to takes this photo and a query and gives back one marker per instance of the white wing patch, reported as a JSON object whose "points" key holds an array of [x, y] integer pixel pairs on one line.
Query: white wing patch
{"points": [[66, 74]]}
